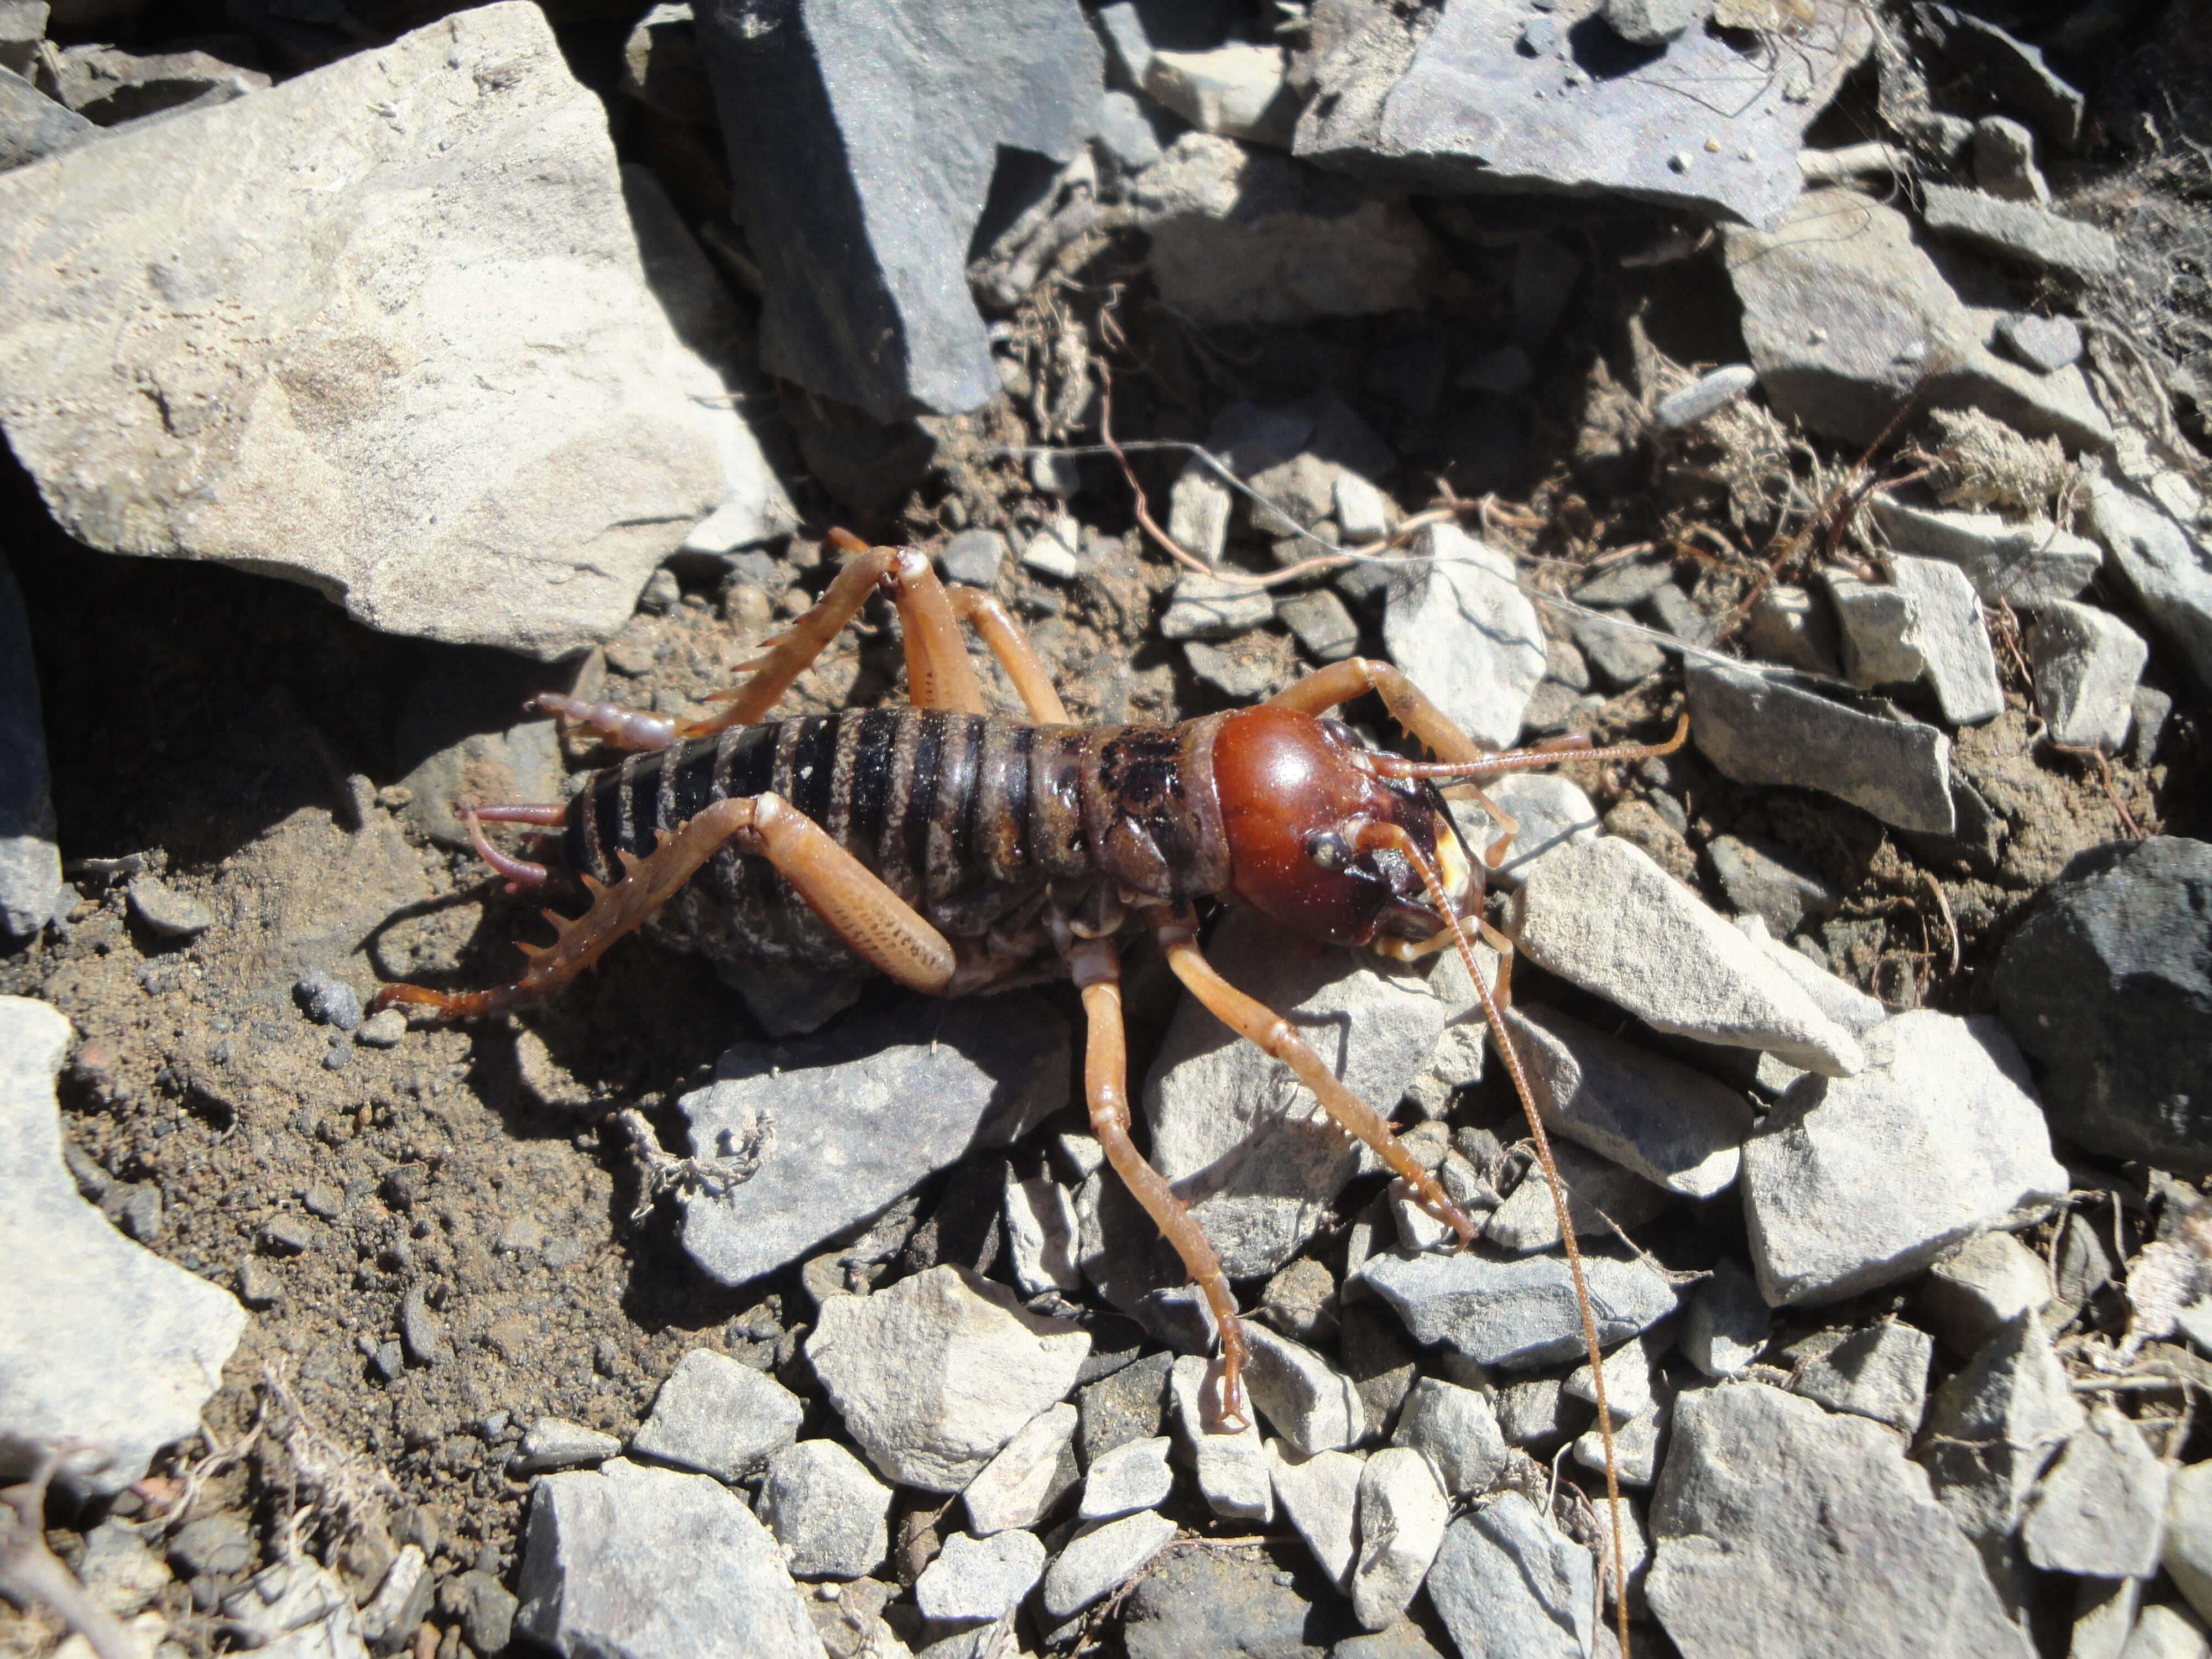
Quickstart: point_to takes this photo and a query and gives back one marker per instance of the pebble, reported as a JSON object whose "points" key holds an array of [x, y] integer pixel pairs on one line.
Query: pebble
{"points": [[1130, 1405], [2100, 1511], [1310, 1403], [1765, 879], [288, 1596], [1023, 1481], [1993, 1427], [1789, 626], [1051, 550], [1852, 1183], [2004, 166], [1606, 918], [259, 1285], [148, 1340], [1320, 1495], [553, 1443], [2086, 663], [1205, 607], [1880, 1372], [935, 1374], [1456, 1430], [2164, 1632], [1242, 677], [422, 1332], [2045, 344], [631, 1559], [1925, 622], [2020, 232], [2107, 987], [2031, 564], [719, 1416], [977, 1581], [972, 558], [1459, 624], [1102, 1556], [1402, 1515], [484, 1606], [1538, 1415], [1232, 89], [1519, 1313], [1600, 1196], [1301, 1300], [1757, 1490], [217, 1545], [1364, 513], [390, 1618], [382, 1029], [1320, 623], [1840, 1001], [2165, 565], [1133, 1476], [1511, 1585], [329, 1001], [1199, 509], [1705, 397], [1975, 1290], [166, 911], [1549, 810], [1231, 1468], [828, 1514], [1728, 1322], [2186, 1549], [1616, 649], [1636, 1445], [1042, 1236]]}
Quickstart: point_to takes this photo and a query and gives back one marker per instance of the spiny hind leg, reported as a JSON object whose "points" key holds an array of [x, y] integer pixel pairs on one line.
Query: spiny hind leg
{"points": [[1095, 967], [1032, 681], [879, 926]]}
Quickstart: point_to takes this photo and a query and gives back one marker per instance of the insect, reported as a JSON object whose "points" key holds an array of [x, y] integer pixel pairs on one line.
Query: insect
{"points": [[959, 852]]}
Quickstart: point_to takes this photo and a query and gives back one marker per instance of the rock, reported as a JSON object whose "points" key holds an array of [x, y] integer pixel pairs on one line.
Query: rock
{"points": [[2004, 166], [2167, 567], [1023, 1481], [2045, 344], [1840, 255], [1042, 1236], [2186, 1550], [553, 1443], [1466, 632], [2031, 564], [1126, 133], [1511, 1585], [108, 86], [1771, 882], [294, 1596], [1235, 89], [2011, 71], [1943, 629], [1231, 1468], [1727, 1325], [1548, 811], [1759, 728], [30, 859], [1616, 647], [1311, 1403], [1133, 1476], [1456, 1430], [1993, 1427], [2086, 662], [1320, 623], [1464, 114], [33, 124], [1245, 1144], [422, 1334], [935, 1374], [662, 64], [1603, 916], [485, 1608], [1788, 626], [1320, 1497], [1101, 1557], [1705, 397], [1402, 1515], [1880, 1372], [1364, 513], [1601, 1196], [390, 1618], [1756, 1518], [1844, 1003], [1520, 1313], [1636, 1445], [2017, 231], [1052, 550], [2101, 1511], [848, 1122], [2164, 1632], [148, 1340], [1851, 1182], [977, 1581], [163, 910], [1130, 1405], [862, 239], [332, 442], [629, 1559], [1241, 236], [1215, 608], [972, 558], [2108, 989], [1985, 1284], [828, 1514], [218, 1545], [328, 1001], [1664, 1121], [1539, 1415], [1649, 22], [719, 1416]]}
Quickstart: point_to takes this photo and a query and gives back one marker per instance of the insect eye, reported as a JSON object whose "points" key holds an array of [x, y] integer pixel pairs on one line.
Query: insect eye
{"points": [[1339, 733], [1329, 850]]}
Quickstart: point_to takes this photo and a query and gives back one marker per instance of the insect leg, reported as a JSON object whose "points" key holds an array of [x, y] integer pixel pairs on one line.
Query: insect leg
{"points": [[1032, 682], [1096, 966]]}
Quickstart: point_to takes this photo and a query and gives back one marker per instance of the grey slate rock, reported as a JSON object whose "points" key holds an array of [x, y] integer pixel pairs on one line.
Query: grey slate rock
{"points": [[2045, 344], [1231, 1466], [2186, 1551], [1402, 1515], [2030, 564], [163, 910], [2167, 1632], [33, 125], [861, 222], [2017, 231], [1991, 1429], [1456, 1430], [1025, 1477], [1519, 1313], [2005, 166], [828, 1514], [853, 1120], [30, 859], [2101, 1511], [1974, 1290], [1451, 113], [2086, 663], [1765, 1519], [1320, 1497], [1101, 1557], [1307, 1401], [484, 1606], [2166, 566], [1320, 623], [1467, 633], [1601, 1197], [2108, 987], [1125, 132], [1133, 1476], [972, 557], [1194, 1602], [1620, 653], [977, 1581], [2009, 68], [1771, 882], [1880, 1372], [1130, 1405], [1707, 397], [147, 1340], [1727, 1325], [553, 1443], [1760, 728], [719, 1416], [1548, 811], [631, 1560], [1511, 1585]]}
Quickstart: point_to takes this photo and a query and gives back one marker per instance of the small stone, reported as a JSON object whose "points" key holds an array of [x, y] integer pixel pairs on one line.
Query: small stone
{"points": [[2045, 344], [259, 1284], [1632, 1388], [1320, 1495], [1199, 509], [1511, 1585], [485, 1607], [1051, 551], [1707, 397], [977, 1581], [2166, 566], [1680, 968], [1364, 513], [1126, 134], [1981, 1285], [2164, 1632], [1458, 618], [719, 1416], [2101, 1511], [2017, 231], [2004, 166], [285, 1597], [1456, 1430], [553, 1443], [972, 558], [1101, 1557], [1311, 1405], [1789, 626], [661, 594], [1648, 22], [1519, 1313], [382, 1029], [1042, 1236], [2187, 1551], [1133, 1476], [632, 1559], [1130, 1405], [1243, 676], [1539, 1415], [1727, 1325], [422, 1333], [1880, 1372], [2031, 563], [1320, 623], [328, 1001], [390, 1618], [1548, 811], [1231, 1468], [1214, 607], [1771, 883], [1301, 1300], [1636, 1446], [1233, 89], [162, 908], [287, 1235], [828, 1514], [1023, 1481], [1849, 1006], [2086, 662], [217, 1545], [1926, 622], [1601, 1196], [1617, 649], [1402, 1515], [1539, 36]]}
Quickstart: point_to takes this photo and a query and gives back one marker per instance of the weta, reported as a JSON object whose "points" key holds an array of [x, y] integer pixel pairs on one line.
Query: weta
{"points": [[957, 852]]}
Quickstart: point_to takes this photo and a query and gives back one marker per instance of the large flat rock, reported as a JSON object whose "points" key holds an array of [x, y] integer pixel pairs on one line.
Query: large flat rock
{"points": [[104, 1342], [382, 329]]}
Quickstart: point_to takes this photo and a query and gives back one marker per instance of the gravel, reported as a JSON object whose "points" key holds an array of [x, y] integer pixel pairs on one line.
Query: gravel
{"points": [[719, 1416]]}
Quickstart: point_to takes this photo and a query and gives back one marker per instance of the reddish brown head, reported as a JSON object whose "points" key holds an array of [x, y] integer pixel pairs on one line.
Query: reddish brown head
{"points": [[1293, 795]]}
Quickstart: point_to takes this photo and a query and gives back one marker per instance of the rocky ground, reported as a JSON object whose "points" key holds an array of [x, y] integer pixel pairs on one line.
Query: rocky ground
{"points": [[1834, 375]]}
